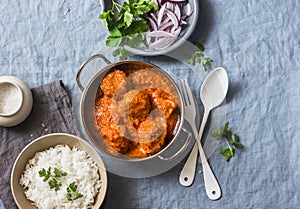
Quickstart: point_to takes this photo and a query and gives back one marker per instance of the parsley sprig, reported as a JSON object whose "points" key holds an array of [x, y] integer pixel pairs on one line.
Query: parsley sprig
{"points": [[72, 194], [127, 27], [55, 182], [231, 139], [198, 57]]}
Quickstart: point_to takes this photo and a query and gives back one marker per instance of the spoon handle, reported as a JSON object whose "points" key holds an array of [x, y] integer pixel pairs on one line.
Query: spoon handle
{"points": [[187, 174], [212, 187]]}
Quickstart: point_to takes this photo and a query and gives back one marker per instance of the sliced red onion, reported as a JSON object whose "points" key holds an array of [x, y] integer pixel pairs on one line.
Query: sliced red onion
{"points": [[152, 23], [166, 20], [161, 2], [148, 38], [153, 16], [177, 31], [159, 33], [170, 6], [172, 17], [162, 39], [166, 23], [164, 26], [177, 11], [157, 43], [162, 43], [160, 14]]}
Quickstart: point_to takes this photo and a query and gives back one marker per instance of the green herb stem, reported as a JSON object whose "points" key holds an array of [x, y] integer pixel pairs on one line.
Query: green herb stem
{"points": [[231, 139], [116, 5], [227, 142]]}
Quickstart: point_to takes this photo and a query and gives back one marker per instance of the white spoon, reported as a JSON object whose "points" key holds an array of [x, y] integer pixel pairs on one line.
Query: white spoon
{"points": [[213, 92]]}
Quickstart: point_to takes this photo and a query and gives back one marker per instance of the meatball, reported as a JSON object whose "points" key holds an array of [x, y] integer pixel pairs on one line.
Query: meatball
{"points": [[108, 128], [139, 108], [133, 108], [152, 133], [114, 139], [111, 82], [153, 147], [162, 101]]}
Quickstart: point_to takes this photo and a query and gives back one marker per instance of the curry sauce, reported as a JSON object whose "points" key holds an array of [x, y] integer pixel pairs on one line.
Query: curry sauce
{"points": [[136, 112]]}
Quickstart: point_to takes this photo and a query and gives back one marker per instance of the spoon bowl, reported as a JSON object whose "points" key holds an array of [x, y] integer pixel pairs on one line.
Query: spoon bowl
{"points": [[214, 88]]}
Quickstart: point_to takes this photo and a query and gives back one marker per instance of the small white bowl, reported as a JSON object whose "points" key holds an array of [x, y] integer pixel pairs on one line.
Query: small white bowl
{"points": [[43, 143], [183, 37], [16, 101]]}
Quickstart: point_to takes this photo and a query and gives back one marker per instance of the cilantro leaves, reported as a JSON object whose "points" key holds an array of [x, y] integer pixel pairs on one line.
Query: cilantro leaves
{"points": [[128, 26], [59, 173], [56, 182], [45, 174], [72, 194], [232, 141], [198, 57]]}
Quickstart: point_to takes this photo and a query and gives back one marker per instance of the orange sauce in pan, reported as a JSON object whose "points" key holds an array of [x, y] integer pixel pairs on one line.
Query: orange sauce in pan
{"points": [[136, 112]]}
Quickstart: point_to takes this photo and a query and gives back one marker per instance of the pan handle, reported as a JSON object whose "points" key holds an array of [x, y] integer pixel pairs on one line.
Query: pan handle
{"points": [[187, 142], [101, 56]]}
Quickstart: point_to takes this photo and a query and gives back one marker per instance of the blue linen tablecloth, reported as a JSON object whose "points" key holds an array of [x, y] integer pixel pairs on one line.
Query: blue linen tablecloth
{"points": [[258, 42]]}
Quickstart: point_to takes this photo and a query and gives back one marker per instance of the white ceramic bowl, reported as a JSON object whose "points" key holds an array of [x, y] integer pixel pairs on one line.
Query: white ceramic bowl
{"points": [[43, 143], [16, 101], [183, 37]]}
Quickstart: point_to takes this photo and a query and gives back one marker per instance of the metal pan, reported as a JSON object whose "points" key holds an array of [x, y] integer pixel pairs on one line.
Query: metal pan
{"points": [[88, 118]]}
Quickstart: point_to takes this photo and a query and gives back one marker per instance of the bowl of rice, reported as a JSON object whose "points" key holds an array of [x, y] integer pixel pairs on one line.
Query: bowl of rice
{"points": [[58, 170]]}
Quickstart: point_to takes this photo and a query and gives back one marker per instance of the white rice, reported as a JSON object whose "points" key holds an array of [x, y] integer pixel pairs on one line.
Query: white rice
{"points": [[80, 168]]}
